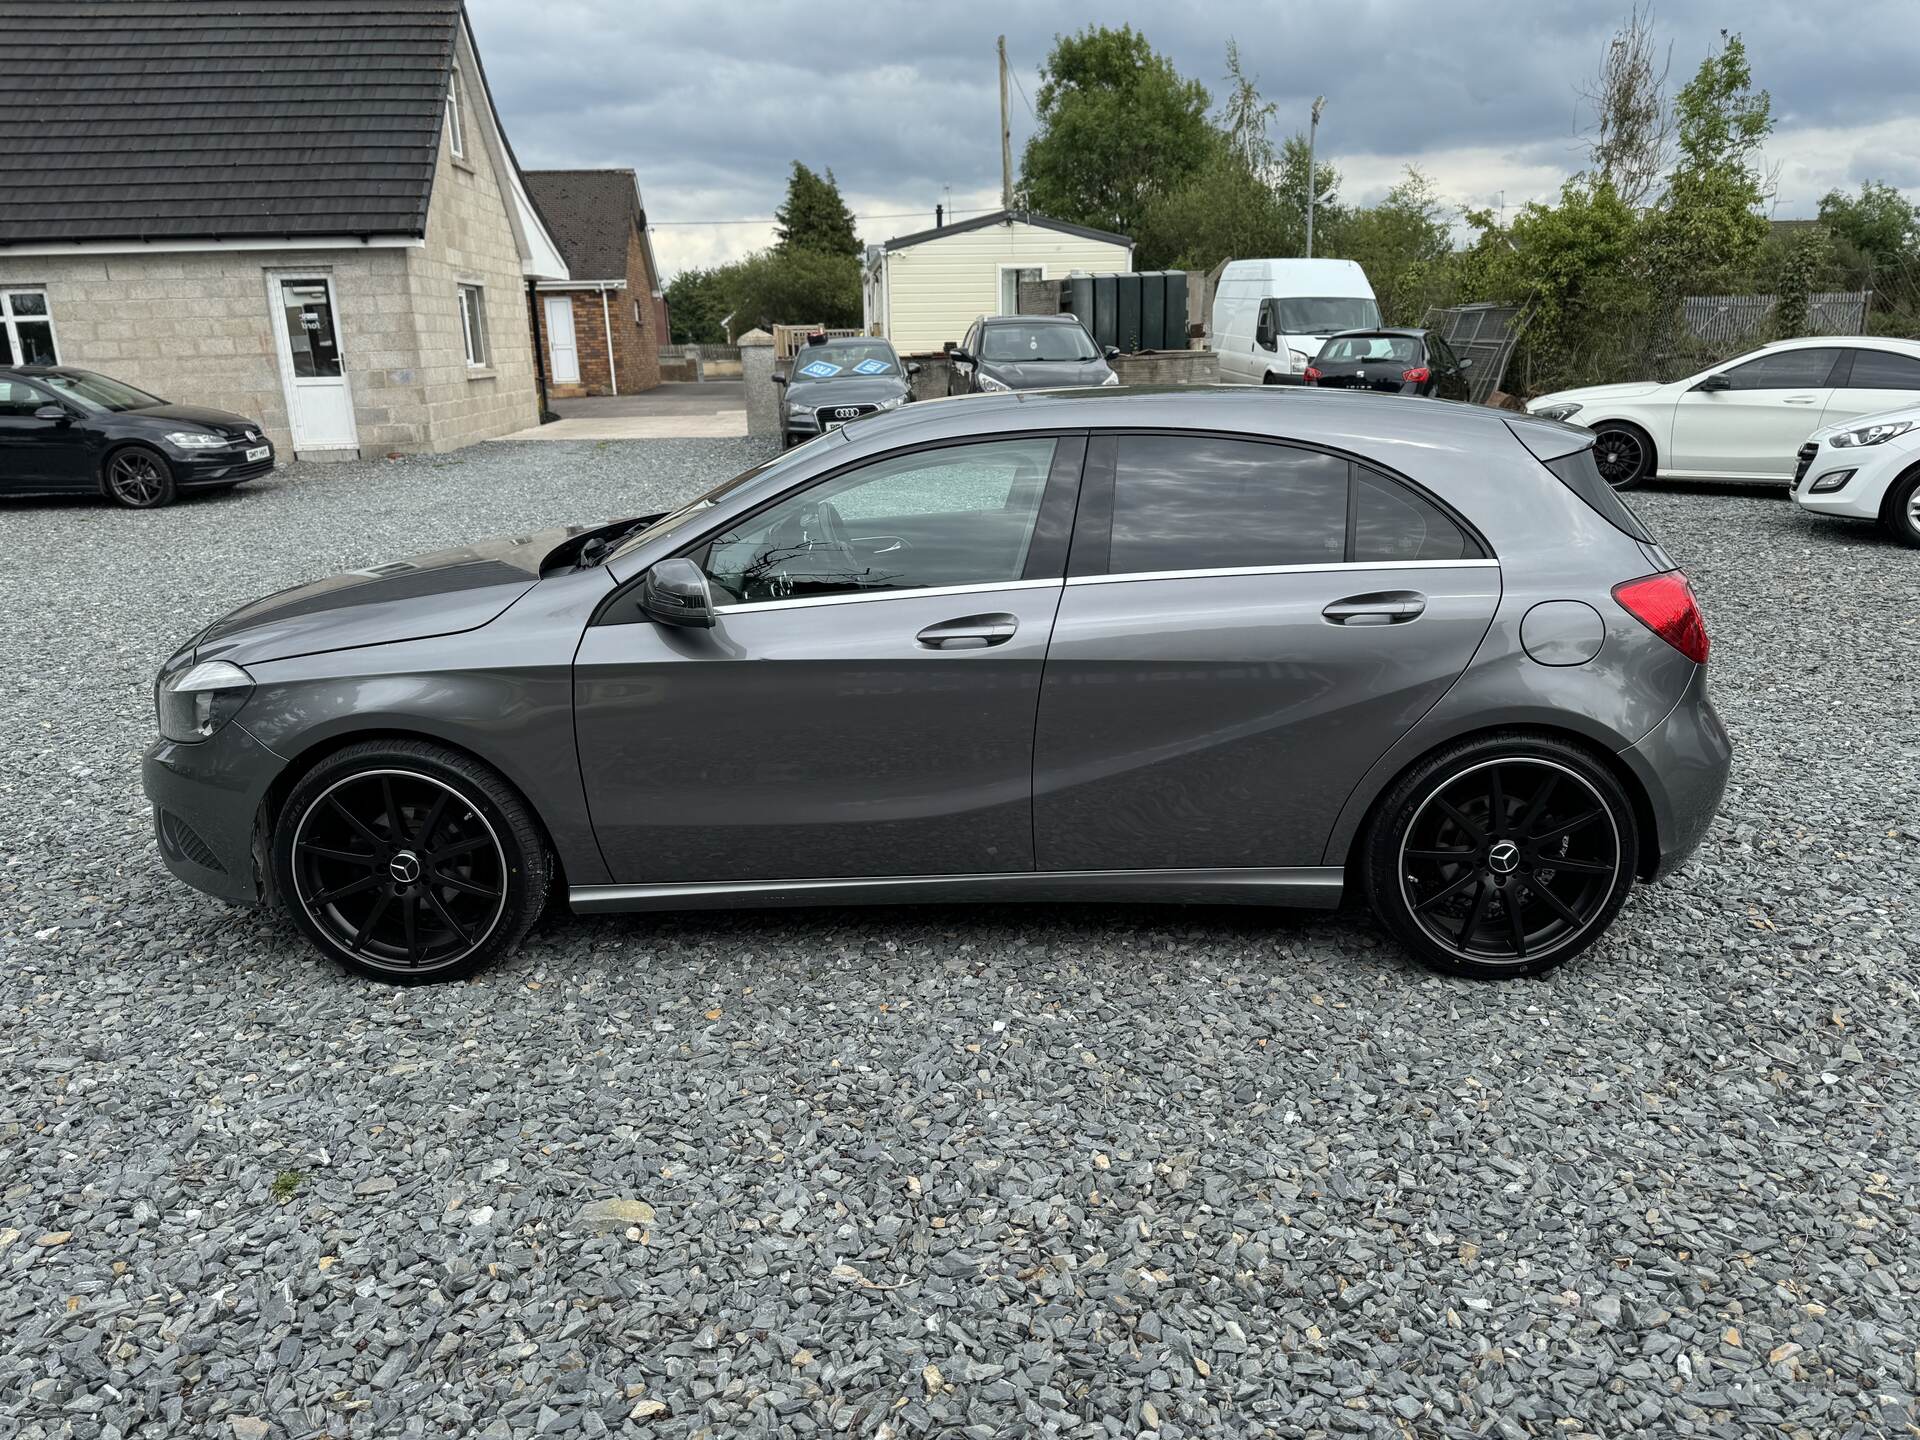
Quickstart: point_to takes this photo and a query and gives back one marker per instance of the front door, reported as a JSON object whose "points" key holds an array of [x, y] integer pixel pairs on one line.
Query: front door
{"points": [[865, 705], [41, 454], [560, 343], [319, 403], [1236, 646], [1755, 426]]}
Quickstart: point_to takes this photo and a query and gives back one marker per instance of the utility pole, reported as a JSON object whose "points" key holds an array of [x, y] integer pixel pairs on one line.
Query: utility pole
{"points": [[1313, 184], [1006, 136]]}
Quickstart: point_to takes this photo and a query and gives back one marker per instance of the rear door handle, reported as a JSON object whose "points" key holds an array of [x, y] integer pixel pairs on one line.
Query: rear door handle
{"points": [[969, 632], [1386, 607]]}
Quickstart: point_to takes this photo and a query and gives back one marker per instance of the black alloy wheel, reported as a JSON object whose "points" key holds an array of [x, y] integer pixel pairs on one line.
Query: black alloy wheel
{"points": [[1623, 455], [138, 478], [409, 862], [1502, 860]]}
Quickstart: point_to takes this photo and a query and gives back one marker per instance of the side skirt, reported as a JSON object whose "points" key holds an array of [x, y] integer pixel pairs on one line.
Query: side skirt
{"points": [[1312, 887]]}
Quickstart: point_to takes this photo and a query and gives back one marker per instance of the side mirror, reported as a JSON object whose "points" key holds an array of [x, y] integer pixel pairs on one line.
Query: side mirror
{"points": [[52, 412], [675, 592], [959, 356], [1466, 364], [1111, 352], [913, 367], [779, 379], [1715, 382]]}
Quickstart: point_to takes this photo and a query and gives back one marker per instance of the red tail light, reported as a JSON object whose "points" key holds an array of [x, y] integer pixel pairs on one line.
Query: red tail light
{"points": [[1418, 375], [1311, 375], [1665, 605]]}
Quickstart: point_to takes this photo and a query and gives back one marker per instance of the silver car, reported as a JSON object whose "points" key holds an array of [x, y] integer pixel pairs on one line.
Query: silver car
{"points": [[1184, 645]]}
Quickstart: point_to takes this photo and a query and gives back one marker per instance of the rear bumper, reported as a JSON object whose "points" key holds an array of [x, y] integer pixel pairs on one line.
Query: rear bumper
{"points": [[1683, 763], [205, 799]]}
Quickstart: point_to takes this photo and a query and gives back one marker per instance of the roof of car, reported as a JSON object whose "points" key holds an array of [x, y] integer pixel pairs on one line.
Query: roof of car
{"points": [[1031, 319], [1870, 342]]}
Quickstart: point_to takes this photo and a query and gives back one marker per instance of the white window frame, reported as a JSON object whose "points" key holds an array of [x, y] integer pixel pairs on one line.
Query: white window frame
{"points": [[474, 334], [456, 115], [1000, 283], [9, 322]]}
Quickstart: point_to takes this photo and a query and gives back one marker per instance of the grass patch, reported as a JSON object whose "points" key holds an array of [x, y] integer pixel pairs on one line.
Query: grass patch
{"points": [[285, 1185]]}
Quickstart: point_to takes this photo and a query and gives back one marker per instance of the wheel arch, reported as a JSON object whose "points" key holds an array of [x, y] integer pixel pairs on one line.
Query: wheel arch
{"points": [[1632, 422], [1894, 487], [124, 443]]}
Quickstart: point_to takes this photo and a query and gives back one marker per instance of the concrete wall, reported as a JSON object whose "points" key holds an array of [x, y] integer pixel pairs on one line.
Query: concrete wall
{"points": [[935, 289], [1168, 367], [757, 370]]}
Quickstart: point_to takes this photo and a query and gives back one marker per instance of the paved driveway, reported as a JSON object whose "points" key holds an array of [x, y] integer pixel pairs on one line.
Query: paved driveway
{"points": [[711, 409], [1078, 1171]]}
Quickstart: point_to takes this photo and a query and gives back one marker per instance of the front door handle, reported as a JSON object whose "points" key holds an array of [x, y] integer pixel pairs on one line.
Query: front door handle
{"points": [[1386, 607], [969, 632], [1802, 399]]}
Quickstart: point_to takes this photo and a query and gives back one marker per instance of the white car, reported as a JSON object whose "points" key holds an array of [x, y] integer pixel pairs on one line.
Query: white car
{"points": [[1867, 468], [1744, 419]]}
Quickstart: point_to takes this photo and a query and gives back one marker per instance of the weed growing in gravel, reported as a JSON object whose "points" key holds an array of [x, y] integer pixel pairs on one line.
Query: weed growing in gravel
{"points": [[285, 1185]]}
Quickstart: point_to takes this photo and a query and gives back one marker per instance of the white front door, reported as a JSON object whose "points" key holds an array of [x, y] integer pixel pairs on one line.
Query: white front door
{"points": [[319, 404], [560, 342]]}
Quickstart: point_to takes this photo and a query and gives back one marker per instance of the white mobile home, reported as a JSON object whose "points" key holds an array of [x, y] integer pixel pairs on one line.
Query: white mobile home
{"points": [[923, 290]]}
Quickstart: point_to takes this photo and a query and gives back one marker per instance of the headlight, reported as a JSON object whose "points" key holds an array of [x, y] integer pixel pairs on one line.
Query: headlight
{"points": [[1560, 411], [1300, 359], [196, 439], [1869, 434], [200, 699], [894, 404], [1831, 481], [1112, 379], [988, 383]]}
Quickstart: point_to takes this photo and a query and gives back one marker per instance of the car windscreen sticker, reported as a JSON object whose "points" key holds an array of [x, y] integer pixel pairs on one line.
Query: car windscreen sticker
{"points": [[872, 367], [820, 370]]}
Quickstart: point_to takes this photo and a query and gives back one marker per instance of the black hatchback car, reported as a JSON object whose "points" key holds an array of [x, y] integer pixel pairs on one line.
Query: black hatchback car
{"points": [[67, 431], [1028, 352], [1394, 362]]}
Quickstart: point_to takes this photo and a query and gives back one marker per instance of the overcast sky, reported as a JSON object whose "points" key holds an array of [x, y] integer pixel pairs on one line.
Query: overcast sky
{"points": [[711, 102]]}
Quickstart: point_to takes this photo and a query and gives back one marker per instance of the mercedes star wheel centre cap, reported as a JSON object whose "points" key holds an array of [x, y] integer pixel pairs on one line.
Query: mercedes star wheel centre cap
{"points": [[1503, 858], [404, 868]]}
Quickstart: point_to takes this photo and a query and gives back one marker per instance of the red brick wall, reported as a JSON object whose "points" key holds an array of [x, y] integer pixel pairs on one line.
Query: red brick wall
{"points": [[636, 344]]}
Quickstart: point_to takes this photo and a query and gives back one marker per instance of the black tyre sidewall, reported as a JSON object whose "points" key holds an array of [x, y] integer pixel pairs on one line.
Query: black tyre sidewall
{"points": [[1895, 515], [169, 491], [1648, 460], [529, 865], [1394, 812]]}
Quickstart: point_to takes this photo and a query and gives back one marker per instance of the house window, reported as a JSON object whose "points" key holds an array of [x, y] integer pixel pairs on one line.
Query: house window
{"points": [[26, 329], [456, 119], [473, 324], [638, 319]]}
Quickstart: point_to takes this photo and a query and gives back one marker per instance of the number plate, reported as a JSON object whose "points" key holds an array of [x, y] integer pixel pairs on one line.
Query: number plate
{"points": [[259, 452]]}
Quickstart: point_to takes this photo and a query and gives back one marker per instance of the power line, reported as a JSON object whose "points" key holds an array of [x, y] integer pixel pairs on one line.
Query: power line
{"points": [[1023, 93], [770, 219]]}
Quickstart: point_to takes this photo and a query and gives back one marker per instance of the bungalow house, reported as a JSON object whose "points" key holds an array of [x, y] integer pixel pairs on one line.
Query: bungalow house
{"points": [[601, 329], [923, 290], [305, 211]]}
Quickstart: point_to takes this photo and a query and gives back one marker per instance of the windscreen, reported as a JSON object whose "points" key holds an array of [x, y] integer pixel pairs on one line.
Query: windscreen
{"points": [[857, 359], [1324, 314], [1358, 349], [1012, 343], [95, 393]]}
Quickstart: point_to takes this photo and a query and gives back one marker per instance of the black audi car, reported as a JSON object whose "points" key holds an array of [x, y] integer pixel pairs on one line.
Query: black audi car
{"points": [[67, 431], [1029, 352], [834, 381], [1394, 362]]}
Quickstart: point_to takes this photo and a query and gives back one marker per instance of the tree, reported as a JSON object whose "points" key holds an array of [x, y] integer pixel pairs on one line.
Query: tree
{"points": [[1880, 224], [1399, 243], [1245, 117], [793, 287], [814, 217], [1221, 212], [1632, 129], [1709, 223], [1807, 259], [1118, 126], [1291, 183], [696, 304]]}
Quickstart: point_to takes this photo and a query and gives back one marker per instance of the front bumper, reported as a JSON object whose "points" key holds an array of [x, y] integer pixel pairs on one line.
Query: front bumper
{"points": [[195, 468], [1683, 763], [206, 798], [1875, 468]]}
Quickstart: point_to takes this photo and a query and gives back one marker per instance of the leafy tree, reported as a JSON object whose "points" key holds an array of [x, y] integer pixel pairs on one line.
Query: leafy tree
{"points": [[793, 287], [1291, 183], [696, 304], [1879, 224], [1245, 116], [814, 217], [1709, 223], [1399, 243], [1807, 259], [1223, 211], [1118, 126]]}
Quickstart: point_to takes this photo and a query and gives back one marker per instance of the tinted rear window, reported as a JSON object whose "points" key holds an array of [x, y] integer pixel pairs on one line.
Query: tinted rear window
{"points": [[1391, 523], [1580, 475], [1191, 503]]}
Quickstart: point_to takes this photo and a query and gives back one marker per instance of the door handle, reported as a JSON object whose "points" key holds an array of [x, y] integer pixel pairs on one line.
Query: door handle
{"points": [[969, 632], [1801, 399], [1386, 607]]}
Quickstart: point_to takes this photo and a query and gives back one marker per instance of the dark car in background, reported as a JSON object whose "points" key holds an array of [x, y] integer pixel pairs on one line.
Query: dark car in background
{"points": [[1028, 352], [74, 432], [834, 381], [1393, 362]]}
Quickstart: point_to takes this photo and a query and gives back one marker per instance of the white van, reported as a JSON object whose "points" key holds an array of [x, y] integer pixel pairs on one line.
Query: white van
{"points": [[1270, 316]]}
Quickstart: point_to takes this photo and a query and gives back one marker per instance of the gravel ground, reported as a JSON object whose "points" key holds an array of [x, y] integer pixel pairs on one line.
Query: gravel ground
{"points": [[1007, 1171]]}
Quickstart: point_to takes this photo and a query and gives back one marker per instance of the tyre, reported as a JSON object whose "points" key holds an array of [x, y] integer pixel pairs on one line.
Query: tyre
{"points": [[1902, 513], [409, 862], [1503, 855], [1624, 454], [138, 478]]}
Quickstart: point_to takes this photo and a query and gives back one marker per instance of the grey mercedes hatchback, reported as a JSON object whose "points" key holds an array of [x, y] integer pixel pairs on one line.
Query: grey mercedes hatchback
{"points": [[1187, 645]]}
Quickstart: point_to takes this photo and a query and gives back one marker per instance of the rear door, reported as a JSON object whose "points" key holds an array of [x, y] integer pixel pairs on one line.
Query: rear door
{"points": [[1246, 627], [1872, 381], [1754, 428]]}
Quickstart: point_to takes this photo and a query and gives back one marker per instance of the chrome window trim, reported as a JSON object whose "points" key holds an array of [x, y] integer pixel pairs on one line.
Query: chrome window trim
{"points": [[1330, 566], [858, 597]]}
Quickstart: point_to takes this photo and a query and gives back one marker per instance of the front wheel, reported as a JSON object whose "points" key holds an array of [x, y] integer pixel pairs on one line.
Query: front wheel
{"points": [[1623, 453], [1902, 515], [408, 862], [138, 478], [1505, 855]]}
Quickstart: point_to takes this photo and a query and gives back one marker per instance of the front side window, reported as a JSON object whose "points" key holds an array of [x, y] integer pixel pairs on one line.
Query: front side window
{"points": [[26, 329], [18, 400], [473, 323], [1013, 343], [456, 117], [1785, 370], [960, 515], [1190, 503], [1883, 370]]}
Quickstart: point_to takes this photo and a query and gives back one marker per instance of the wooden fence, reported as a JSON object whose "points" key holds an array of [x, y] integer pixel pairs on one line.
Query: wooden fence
{"points": [[789, 338]]}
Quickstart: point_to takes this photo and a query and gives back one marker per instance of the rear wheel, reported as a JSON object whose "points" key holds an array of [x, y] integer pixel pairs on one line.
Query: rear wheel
{"points": [[1902, 514], [1623, 453], [409, 862], [138, 478], [1505, 855]]}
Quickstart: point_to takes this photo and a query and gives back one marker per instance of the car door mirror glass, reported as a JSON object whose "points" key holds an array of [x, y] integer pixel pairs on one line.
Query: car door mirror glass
{"points": [[675, 592]]}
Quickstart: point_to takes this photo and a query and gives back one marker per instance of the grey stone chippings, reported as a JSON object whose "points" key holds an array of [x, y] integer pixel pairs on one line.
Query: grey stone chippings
{"points": [[1078, 1172]]}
